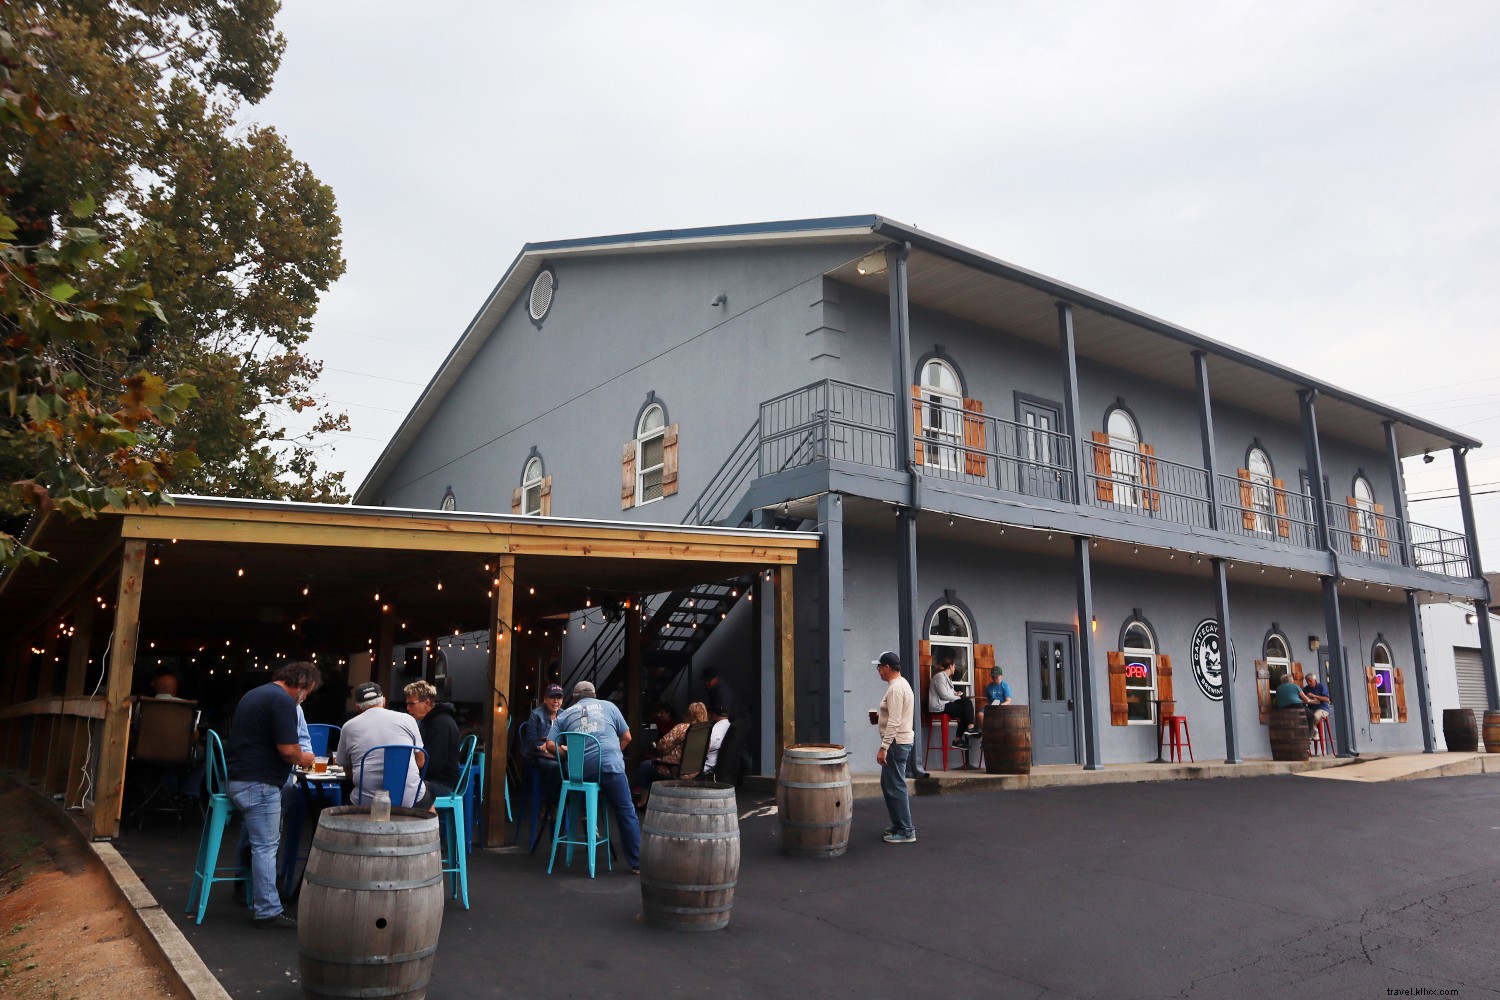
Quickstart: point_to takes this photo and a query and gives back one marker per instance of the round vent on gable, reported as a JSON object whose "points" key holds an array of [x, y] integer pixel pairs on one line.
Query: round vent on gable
{"points": [[541, 295]]}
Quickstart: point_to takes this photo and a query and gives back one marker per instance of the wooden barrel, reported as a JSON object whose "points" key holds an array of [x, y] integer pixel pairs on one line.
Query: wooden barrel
{"points": [[690, 855], [1492, 731], [1289, 736], [815, 800], [371, 905], [1007, 739], [1459, 731]]}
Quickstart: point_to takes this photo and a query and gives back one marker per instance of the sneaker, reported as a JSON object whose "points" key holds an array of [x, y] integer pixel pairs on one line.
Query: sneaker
{"points": [[901, 838], [888, 831], [636, 870], [281, 922], [960, 743]]}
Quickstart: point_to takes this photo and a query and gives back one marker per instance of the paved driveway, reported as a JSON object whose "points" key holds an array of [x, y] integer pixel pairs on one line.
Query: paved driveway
{"points": [[1278, 886]]}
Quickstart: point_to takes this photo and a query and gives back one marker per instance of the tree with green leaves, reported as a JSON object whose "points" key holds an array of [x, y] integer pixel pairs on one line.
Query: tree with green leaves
{"points": [[155, 243]]}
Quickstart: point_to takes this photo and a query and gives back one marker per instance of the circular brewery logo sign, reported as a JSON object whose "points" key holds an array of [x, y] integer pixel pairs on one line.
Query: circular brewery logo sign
{"points": [[1208, 659]]}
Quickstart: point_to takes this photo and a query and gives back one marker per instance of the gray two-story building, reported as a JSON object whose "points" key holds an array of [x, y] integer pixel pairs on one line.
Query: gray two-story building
{"points": [[1005, 469]]}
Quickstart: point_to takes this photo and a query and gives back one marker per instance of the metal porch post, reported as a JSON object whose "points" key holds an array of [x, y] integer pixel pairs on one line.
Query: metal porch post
{"points": [[1343, 716], [1072, 414], [831, 524], [1481, 606], [1419, 665], [1221, 575], [1398, 491], [906, 516], [1083, 578]]}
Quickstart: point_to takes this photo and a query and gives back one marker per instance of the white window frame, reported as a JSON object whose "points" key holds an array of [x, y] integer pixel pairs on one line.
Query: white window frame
{"points": [[1278, 665], [1262, 482], [531, 488], [960, 646], [1385, 693], [1138, 654], [1125, 458], [1364, 506], [942, 427], [647, 476]]}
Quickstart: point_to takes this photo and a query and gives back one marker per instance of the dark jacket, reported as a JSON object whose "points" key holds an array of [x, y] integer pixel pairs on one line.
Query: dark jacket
{"points": [[440, 740]]}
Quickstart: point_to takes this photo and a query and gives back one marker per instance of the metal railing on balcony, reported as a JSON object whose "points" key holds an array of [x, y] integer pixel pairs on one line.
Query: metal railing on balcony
{"points": [[1256, 510], [827, 420], [1438, 550], [1364, 533], [981, 450], [1137, 482]]}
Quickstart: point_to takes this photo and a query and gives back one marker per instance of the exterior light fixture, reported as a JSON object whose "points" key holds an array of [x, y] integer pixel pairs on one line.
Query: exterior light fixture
{"points": [[1313, 643]]}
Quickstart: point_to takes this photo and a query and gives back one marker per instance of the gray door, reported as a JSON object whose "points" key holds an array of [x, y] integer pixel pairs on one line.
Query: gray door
{"points": [[1051, 668], [1040, 475]]}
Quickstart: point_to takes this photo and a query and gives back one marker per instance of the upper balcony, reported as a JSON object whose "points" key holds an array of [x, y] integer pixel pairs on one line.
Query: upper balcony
{"points": [[838, 422]]}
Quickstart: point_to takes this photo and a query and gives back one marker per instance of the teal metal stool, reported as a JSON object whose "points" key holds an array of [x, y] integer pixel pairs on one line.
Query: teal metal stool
{"points": [[206, 871], [581, 757], [450, 810]]}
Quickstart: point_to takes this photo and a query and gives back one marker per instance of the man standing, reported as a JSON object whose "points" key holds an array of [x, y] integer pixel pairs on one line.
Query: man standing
{"points": [[603, 721], [375, 726], [896, 741], [259, 757], [721, 699]]}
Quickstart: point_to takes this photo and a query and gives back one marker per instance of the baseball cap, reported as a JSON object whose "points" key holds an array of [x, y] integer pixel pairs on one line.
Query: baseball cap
{"points": [[583, 689], [553, 691], [996, 671], [366, 693], [888, 659]]}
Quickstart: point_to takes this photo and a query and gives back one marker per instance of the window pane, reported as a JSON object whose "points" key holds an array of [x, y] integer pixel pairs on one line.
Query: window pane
{"points": [[1046, 664], [651, 452], [533, 500], [651, 420], [1136, 637], [1061, 685], [651, 486], [949, 621]]}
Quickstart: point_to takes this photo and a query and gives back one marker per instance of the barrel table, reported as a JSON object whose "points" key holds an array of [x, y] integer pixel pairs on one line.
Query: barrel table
{"points": [[814, 800], [371, 905], [1007, 739], [1459, 731], [1491, 731], [1289, 735], [690, 855]]}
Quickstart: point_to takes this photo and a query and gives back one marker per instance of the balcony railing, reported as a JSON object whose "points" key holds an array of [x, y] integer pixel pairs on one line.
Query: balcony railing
{"points": [[839, 421]]}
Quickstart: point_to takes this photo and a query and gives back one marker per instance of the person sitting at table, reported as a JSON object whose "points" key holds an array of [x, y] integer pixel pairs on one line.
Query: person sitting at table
{"points": [[374, 726], [667, 754], [942, 696], [438, 723], [715, 742], [1289, 695], [534, 741], [1321, 705]]}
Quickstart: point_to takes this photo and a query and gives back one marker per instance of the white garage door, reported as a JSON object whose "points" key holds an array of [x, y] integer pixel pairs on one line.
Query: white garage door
{"points": [[1470, 670]]}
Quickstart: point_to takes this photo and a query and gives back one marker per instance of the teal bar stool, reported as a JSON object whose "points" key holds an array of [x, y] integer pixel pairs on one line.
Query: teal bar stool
{"points": [[450, 810], [581, 757], [206, 871]]}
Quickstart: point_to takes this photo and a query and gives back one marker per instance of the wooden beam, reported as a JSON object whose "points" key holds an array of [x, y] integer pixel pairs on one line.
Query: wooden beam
{"points": [[786, 689], [502, 644], [633, 683], [79, 645], [110, 778]]}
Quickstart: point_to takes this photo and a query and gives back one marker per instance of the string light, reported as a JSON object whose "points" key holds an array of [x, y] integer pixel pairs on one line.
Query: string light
{"points": [[240, 571], [440, 585]]}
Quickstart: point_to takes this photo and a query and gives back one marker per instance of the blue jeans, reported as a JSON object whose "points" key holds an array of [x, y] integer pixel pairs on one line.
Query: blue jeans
{"points": [[615, 788], [260, 826], [893, 787]]}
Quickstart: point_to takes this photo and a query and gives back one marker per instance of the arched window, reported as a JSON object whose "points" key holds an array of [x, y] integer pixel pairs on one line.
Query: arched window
{"points": [[1364, 513], [450, 502], [1278, 657], [1262, 476], [531, 487], [1385, 681], [1138, 646], [942, 405], [1125, 455], [950, 634], [650, 437]]}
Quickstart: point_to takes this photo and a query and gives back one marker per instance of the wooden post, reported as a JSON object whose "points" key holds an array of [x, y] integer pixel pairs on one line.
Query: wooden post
{"points": [[110, 795], [786, 694], [502, 644], [78, 649], [633, 684]]}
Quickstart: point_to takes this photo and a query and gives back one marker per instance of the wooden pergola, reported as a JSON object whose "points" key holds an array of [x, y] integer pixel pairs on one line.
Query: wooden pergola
{"points": [[259, 583]]}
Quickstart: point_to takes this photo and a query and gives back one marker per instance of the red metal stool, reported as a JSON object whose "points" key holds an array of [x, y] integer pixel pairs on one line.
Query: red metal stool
{"points": [[1178, 737], [937, 725], [1322, 738]]}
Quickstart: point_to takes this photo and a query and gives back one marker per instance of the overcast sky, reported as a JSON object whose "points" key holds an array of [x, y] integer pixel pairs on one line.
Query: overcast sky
{"points": [[1315, 182]]}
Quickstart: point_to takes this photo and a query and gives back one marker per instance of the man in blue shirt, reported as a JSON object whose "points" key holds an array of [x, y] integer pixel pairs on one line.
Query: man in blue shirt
{"points": [[1320, 705], [603, 721], [997, 691], [259, 756]]}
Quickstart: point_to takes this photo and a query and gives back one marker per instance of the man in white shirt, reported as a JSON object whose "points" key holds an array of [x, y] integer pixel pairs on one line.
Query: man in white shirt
{"points": [[715, 741], [374, 726], [897, 739]]}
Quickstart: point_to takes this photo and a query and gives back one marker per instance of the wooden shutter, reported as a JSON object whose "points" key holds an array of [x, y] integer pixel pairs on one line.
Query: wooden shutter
{"points": [[1283, 524], [1372, 693], [1103, 488], [1164, 677], [1354, 537], [1384, 545], [1400, 695], [984, 662], [1247, 499], [1153, 496], [515, 500], [627, 477], [1263, 691], [1297, 673], [916, 422], [546, 496], [1119, 708], [669, 461], [976, 463], [924, 672]]}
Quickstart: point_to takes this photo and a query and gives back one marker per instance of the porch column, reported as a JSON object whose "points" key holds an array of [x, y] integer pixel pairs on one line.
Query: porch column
{"points": [[1398, 492], [1476, 570], [633, 719], [1210, 450], [1226, 652], [110, 776], [786, 674], [497, 746], [908, 629], [382, 672], [1338, 680], [831, 525], [1083, 576], [1072, 415], [1419, 667]]}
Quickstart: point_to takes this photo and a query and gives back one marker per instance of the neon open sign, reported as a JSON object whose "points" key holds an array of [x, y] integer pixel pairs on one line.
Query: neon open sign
{"points": [[1381, 680], [1137, 671]]}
